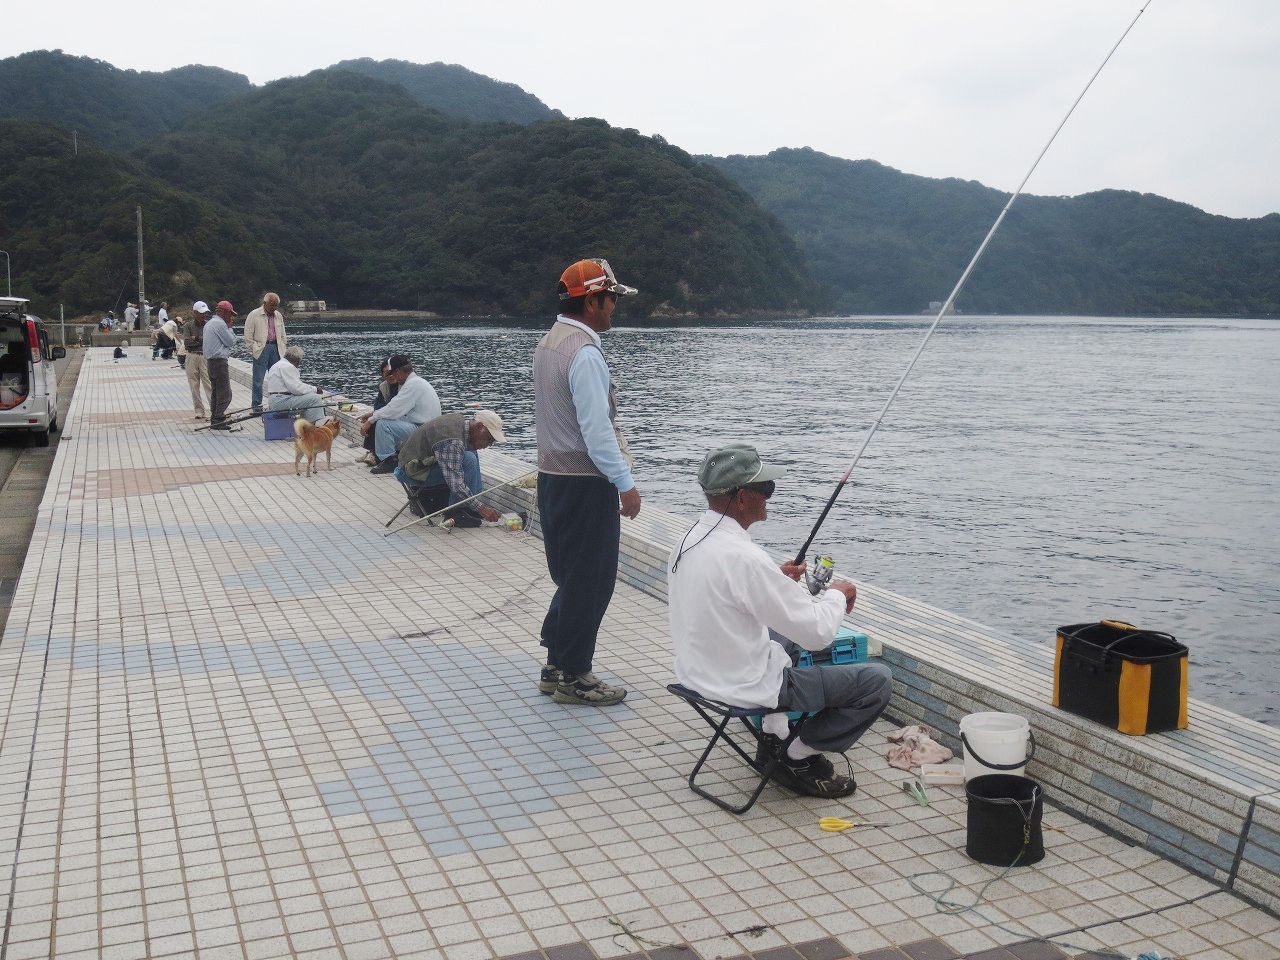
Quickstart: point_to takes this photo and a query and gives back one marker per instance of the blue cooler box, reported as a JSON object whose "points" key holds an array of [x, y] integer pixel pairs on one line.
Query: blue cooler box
{"points": [[277, 425]]}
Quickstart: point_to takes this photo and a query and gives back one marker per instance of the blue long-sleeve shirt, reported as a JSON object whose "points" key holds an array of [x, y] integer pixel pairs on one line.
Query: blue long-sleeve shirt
{"points": [[589, 387], [219, 340]]}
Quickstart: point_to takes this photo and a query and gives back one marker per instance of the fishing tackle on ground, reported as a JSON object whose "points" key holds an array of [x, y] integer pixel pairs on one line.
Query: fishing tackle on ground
{"points": [[947, 305]]}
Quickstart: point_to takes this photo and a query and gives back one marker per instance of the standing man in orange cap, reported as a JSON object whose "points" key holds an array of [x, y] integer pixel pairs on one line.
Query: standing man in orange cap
{"points": [[219, 341], [584, 480]]}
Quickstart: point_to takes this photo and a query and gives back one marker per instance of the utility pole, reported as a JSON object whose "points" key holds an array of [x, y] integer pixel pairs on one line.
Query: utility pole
{"points": [[7, 279], [62, 322], [142, 286]]}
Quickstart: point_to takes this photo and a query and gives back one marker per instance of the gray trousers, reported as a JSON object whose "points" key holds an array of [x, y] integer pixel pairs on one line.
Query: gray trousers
{"points": [[847, 697], [308, 405]]}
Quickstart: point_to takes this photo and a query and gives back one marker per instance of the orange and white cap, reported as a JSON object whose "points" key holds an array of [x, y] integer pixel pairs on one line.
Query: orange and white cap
{"points": [[591, 276]]}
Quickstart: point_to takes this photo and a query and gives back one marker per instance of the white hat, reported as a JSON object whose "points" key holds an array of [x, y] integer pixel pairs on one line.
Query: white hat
{"points": [[491, 422], [201, 307]]}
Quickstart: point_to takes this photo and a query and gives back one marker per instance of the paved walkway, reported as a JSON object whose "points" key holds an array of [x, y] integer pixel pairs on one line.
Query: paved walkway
{"points": [[241, 723], [24, 476]]}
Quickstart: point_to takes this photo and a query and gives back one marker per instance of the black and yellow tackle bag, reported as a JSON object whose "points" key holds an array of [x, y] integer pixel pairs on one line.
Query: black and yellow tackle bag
{"points": [[1132, 680]]}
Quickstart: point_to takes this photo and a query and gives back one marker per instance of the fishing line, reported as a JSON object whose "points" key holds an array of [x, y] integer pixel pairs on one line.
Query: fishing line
{"points": [[955, 292]]}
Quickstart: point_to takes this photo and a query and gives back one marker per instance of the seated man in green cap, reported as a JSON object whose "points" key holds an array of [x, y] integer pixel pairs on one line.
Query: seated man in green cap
{"points": [[736, 617]]}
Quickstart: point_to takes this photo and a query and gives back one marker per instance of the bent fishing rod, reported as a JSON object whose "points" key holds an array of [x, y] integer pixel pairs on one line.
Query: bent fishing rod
{"points": [[474, 496], [946, 307]]}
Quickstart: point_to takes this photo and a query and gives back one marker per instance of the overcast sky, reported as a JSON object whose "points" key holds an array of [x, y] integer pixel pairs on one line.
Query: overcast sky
{"points": [[1189, 107]]}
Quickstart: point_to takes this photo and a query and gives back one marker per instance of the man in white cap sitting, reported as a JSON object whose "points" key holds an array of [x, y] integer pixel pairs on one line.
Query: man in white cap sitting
{"points": [[736, 618], [439, 465]]}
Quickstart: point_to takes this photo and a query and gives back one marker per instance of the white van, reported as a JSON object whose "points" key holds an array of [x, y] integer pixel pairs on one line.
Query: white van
{"points": [[28, 387]]}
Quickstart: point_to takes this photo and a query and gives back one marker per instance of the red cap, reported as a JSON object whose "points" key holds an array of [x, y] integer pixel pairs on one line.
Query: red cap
{"points": [[226, 305], [591, 276]]}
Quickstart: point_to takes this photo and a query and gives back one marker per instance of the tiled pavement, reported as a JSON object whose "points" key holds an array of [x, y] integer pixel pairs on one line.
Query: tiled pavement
{"points": [[241, 723]]}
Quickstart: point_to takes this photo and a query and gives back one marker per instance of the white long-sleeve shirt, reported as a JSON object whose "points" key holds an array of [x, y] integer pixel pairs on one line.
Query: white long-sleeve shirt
{"points": [[283, 377], [723, 596]]}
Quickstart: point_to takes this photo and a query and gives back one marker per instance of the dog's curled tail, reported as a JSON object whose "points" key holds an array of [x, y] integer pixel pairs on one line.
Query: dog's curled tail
{"points": [[302, 426]]}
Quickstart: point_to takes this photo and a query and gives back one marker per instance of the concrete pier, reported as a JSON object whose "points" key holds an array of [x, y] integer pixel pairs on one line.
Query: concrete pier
{"points": [[239, 721]]}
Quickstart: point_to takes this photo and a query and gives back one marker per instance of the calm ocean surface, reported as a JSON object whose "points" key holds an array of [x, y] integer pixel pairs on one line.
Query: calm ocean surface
{"points": [[1033, 472]]}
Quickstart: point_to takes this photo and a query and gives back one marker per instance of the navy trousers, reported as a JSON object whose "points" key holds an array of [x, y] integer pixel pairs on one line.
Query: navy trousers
{"points": [[580, 530]]}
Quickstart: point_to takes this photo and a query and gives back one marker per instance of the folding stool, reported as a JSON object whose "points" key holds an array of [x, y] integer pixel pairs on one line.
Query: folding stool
{"points": [[718, 716]]}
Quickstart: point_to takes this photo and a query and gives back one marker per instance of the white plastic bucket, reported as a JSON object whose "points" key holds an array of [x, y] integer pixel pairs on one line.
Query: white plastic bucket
{"points": [[996, 743]]}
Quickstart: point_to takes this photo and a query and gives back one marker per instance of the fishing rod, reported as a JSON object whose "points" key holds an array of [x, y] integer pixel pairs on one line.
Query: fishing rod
{"points": [[430, 516], [244, 413], [234, 416], [946, 307]]}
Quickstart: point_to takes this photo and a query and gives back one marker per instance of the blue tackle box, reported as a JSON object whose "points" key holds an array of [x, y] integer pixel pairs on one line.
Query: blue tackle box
{"points": [[847, 647], [277, 425]]}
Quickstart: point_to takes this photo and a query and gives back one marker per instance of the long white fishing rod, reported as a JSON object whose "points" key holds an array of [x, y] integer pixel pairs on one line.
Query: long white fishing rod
{"points": [[946, 307]]}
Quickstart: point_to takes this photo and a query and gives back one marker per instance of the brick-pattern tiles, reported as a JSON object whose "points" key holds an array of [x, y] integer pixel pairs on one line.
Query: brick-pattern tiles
{"points": [[825, 949], [109, 484]]}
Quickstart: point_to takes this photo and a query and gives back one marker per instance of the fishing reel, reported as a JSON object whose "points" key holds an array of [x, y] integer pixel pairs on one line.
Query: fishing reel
{"points": [[818, 577]]}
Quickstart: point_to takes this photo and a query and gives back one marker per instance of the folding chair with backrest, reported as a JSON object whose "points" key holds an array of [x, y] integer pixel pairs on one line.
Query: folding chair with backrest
{"points": [[719, 716]]}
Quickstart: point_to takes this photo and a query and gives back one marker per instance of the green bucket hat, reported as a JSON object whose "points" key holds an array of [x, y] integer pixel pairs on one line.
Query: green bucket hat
{"points": [[733, 466]]}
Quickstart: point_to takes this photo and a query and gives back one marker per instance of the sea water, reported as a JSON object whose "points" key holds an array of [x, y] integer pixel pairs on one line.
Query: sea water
{"points": [[1033, 472]]}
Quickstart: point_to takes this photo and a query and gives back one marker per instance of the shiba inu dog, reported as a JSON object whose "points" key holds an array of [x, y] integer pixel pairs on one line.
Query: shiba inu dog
{"points": [[309, 440]]}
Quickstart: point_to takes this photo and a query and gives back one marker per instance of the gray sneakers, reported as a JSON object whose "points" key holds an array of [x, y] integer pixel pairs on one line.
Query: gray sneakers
{"points": [[549, 680], [583, 688]]}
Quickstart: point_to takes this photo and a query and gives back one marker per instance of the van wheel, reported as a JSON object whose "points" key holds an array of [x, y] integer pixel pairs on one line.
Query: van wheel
{"points": [[41, 438], [53, 425]]}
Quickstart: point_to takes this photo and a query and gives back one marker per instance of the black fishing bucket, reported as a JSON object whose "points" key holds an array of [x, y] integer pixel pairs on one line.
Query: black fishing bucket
{"points": [[1004, 820]]}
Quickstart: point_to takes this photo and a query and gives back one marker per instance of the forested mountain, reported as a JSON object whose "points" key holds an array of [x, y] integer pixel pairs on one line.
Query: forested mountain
{"points": [[377, 201], [381, 184], [890, 242], [121, 109], [68, 223], [360, 195], [455, 90]]}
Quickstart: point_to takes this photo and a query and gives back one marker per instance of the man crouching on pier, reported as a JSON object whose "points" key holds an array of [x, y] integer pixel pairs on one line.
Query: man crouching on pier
{"points": [[736, 617]]}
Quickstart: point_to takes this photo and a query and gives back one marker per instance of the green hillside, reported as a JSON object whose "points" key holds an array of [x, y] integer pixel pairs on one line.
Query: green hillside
{"points": [[890, 242], [428, 187], [455, 90], [69, 225], [121, 109], [376, 201]]}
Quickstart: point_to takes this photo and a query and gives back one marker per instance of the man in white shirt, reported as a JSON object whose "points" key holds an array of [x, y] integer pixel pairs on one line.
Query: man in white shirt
{"points": [[414, 404], [166, 335], [286, 391], [736, 616]]}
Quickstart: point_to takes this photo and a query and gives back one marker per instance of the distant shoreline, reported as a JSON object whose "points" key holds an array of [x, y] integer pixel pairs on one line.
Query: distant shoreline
{"points": [[340, 316], [426, 315]]}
